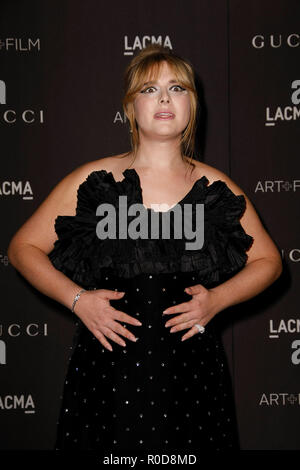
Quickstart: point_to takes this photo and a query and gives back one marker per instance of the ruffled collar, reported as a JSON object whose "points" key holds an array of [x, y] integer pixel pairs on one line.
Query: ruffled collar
{"points": [[130, 185], [131, 173], [83, 257]]}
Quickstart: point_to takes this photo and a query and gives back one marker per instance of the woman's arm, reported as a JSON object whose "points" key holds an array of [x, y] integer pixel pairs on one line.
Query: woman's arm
{"points": [[264, 263], [35, 266], [254, 278], [29, 248]]}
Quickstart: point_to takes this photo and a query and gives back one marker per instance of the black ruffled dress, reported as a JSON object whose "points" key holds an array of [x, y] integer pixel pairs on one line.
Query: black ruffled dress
{"points": [[158, 393]]}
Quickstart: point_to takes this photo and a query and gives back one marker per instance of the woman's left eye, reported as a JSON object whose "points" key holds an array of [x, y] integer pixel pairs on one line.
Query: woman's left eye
{"points": [[177, 88]]}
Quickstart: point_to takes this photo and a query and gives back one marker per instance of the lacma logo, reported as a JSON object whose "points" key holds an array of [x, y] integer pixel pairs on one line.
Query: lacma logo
{"points": [[2, 92], [140, 42], [285, 113], [16, 188], [291, 325], [17, 402]]}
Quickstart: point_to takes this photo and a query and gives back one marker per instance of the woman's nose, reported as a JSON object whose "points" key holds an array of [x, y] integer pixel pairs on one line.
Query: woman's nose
{"points": [[164, 97]]}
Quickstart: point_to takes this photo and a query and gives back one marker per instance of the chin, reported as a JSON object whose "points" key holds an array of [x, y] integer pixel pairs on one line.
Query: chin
{"points": [[165, 132]]}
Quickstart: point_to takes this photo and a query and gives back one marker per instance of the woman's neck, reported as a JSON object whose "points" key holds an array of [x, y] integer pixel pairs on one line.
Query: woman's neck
{"points": [[159, 155]]}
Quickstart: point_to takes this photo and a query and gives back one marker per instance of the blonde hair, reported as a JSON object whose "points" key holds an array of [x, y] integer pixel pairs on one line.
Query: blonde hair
{"points": [[146, 65]]}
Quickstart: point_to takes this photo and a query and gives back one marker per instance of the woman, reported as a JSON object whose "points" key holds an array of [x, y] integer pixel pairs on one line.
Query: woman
{"points": [[156, 390]]}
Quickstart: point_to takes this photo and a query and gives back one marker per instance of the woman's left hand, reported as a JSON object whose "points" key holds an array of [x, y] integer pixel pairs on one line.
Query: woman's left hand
{"points": [[200, 309]]}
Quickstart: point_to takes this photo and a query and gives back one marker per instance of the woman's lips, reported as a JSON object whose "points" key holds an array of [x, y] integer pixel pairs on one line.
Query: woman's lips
{"points": [[164, 115]]}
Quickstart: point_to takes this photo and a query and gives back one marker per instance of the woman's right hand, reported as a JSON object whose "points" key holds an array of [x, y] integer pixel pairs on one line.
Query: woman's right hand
{"points": [[94, 309]]}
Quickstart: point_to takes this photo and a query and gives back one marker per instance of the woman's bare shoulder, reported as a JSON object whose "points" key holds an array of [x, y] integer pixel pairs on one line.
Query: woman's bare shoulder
{"points": [[38, 230], [213, 174], [113, 163]]}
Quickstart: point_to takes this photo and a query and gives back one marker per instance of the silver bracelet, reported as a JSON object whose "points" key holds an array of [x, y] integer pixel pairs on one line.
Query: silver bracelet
{"points": [[76, 298]]}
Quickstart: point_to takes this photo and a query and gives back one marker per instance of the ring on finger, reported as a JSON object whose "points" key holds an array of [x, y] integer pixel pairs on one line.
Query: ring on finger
{"points": [[200, 328]]}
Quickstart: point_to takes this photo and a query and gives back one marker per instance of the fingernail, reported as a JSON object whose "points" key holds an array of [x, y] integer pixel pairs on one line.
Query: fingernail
{"points": [[139, 323]]}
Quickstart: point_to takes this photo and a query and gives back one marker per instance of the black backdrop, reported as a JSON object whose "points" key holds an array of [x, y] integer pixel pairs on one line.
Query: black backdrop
{"points": [[61, 67]]}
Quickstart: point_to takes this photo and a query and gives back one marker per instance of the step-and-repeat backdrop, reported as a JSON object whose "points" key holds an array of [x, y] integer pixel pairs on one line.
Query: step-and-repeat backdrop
{"points": [[61, 71]]}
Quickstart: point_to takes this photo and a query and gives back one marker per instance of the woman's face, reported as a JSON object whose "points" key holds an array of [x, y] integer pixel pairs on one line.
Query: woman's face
{"points": [[162, 107]]}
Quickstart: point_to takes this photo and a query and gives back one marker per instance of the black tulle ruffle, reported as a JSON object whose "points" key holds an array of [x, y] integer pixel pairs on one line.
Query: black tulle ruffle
{"points": [[84, 258]]}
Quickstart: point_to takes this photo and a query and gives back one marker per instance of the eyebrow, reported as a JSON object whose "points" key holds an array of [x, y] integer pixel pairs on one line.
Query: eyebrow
{"points": [[152, 82]]}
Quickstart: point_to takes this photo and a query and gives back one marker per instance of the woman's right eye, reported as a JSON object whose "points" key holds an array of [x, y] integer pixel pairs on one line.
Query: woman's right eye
{"points": [[150, 89]]}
